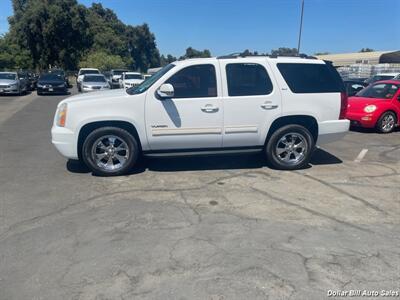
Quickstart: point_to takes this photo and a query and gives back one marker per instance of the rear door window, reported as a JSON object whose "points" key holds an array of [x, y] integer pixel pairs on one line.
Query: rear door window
{"points": [[311, 78], [247, 80]]}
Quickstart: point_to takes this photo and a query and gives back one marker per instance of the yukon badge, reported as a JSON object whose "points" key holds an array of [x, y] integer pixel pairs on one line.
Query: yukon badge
{"points": [[159, 126]]}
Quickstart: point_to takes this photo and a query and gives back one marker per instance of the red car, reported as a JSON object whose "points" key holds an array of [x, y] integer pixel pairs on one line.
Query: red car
{"points": [[376, 106]]}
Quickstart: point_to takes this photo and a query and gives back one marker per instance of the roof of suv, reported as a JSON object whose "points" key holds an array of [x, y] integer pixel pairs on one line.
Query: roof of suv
{"points": [[279, 59]]}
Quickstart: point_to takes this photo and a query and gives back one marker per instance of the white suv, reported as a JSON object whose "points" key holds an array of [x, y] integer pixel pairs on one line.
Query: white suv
{"points": [[282, 106]]}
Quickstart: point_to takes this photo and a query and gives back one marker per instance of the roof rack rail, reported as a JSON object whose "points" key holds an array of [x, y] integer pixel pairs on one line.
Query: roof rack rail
{"points": [[232, 55]]}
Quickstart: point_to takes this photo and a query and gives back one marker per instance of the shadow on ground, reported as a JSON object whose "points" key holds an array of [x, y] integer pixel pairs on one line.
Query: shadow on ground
{"points": [[209, 162]]}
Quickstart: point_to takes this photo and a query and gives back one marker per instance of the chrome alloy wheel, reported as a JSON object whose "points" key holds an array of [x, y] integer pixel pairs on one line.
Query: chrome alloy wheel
{"points": [[291, 149], [110, 152], [387, 123]]}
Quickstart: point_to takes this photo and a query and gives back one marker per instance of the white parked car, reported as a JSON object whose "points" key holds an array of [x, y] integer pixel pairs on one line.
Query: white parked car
{"points": [[94, 82], [131, 79], [82, 72], [282, 106]]}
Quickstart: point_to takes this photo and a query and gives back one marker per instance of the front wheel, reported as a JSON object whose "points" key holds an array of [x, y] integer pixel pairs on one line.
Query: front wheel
{"points": [[110, 151], [386, 122], [290, 148]]}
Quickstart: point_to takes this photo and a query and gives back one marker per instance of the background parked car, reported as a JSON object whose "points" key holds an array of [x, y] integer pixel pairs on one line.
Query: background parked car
{"points": [[50, 83], [12, 83], [378, 105], [116, 75], [62, 74], [82, 72], [130, 79], [354, 86], [94, 82], [382, 76]]}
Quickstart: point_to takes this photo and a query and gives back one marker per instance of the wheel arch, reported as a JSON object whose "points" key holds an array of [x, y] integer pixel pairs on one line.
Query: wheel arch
{"points": [[307, 121], [89, 127]]}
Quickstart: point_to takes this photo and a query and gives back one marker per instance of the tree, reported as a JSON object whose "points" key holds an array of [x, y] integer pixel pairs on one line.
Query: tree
{"points": [[165, 60], [54, 32], [193, 53], [283, 51], [367, 50], [103, 61]]}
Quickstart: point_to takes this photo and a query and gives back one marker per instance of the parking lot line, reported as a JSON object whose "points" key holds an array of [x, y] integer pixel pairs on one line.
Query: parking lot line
{"points": [[361, 155]]}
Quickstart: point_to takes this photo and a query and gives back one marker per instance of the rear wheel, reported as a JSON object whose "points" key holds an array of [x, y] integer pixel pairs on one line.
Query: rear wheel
{"points": [[386, 122], [110, 151], [290, 147]]}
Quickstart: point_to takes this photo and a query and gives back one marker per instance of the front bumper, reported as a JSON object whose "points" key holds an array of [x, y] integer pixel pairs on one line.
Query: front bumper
{"points": [[52, 90], [330, 131], [363, 119], [9, 90], [65, 142], [88, 90]]}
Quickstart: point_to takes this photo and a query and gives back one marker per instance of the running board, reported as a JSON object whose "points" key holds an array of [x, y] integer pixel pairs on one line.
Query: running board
{"points": [[190, 152]]}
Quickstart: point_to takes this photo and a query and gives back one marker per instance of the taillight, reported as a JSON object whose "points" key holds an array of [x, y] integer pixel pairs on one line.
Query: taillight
{"points": [[343, 105]]}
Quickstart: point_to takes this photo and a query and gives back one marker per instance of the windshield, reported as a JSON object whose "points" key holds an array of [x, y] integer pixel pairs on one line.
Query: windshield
{"points": [[50, 77], [83, 72], [57, 72], [133, 76], [9, 76], [380, 77], [379, 91], [149, 81], [94, 78]]}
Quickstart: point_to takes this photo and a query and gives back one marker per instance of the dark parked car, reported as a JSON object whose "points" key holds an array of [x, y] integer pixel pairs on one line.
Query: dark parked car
{"points": [[61, 73], [354, 86], [50, 83]]}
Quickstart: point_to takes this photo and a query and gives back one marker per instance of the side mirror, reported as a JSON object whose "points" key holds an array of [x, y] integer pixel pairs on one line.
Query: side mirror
{"points": [[166, 90]]}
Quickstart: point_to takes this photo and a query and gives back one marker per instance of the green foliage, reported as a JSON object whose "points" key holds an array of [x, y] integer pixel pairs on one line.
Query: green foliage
{"points": [[12, 56], [193, 53], [101, 60], [63, 32], [165, 60]]}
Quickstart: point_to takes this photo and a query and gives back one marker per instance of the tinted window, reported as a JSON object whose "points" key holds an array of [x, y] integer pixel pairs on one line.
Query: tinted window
{"points": [[194, 82], [133, 76], [311, 78], [94, 78], [379, 90], [247, 80], [9, 76], [50, 76], [84, 72]]}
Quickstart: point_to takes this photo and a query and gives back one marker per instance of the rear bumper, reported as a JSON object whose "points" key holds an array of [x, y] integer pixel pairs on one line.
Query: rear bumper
{"points": [[64, 140], [330, 131]]}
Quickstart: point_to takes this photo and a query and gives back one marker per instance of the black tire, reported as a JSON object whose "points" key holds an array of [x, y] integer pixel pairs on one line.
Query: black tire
{"points": [[382, 124], [89, 148], [298, 157]]}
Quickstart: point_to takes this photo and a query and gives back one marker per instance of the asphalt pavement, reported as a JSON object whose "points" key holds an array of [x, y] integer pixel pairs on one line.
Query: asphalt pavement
{"points": [[220, 227]]}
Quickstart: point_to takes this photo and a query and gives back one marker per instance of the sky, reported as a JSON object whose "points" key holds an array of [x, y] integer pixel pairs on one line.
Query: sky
{"points": [[228, 26]]}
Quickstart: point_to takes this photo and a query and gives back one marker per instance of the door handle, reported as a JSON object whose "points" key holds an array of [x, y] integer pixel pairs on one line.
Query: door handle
{"points": [[209, 108], [269, 105]]}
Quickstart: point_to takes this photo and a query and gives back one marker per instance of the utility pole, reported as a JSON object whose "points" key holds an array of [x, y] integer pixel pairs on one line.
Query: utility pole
{"points": [[301, 26]]}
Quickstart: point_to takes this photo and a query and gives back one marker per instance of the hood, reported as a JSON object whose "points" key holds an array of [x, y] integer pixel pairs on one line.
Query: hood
{"points": [[8, 81], [94, 83], [359, 103], [99, 96]]}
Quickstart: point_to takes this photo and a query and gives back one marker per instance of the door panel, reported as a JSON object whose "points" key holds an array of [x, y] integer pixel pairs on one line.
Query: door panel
{"points": [[193, 118], [251, 100]]}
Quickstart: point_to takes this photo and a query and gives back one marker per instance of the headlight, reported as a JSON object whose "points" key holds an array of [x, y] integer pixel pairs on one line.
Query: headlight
{"points": [[61, 85], [62, 115], [39, 85], [86, 87], [370, 108]]}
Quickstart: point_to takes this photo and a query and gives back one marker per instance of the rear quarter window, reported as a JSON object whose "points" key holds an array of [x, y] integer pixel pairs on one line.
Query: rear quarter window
{"points": [[311, 78]]}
